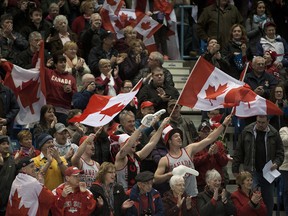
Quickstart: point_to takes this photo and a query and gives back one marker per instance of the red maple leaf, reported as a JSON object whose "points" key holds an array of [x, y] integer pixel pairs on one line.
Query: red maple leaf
{"points": [[212, 94], [237, 95], [111, 2], [145, 25], [112, 110], [118, 24], [123, 17], [14, 208]]}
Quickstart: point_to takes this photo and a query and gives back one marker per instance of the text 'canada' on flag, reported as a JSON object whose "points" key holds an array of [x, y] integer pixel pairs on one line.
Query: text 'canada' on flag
{"points": [[102, 109], [209, 88]]}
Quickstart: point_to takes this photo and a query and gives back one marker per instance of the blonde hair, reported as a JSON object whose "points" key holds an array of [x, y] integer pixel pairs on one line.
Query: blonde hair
{"points": [[23, 134], [85, 5], [104, 62], [69, 44], [242, 176], [103, 170]]}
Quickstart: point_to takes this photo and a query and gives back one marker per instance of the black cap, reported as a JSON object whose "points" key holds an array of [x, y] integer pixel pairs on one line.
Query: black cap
{"points": [[42, 139], [204, 124], [106, 34], [4, 138], [24, 162], [144, 176]]}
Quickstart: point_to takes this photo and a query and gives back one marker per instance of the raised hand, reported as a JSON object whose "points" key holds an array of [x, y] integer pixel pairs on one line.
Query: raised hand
{"points": [[127, 204], [82, 186], [189, 202], [69, 154], [100, 201], [67, 190], [180, 201]]}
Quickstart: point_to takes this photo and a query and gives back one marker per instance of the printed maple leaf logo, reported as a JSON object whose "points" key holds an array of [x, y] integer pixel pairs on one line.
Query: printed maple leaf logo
{"points": [[212, 94], [237, 95], [123, 17], [118, 24], [28, 94], [111, 2], [15, 206], [112, 110], [145, 25]]}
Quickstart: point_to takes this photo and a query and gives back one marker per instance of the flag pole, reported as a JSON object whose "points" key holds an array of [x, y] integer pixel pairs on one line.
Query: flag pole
{"points": [[185, 85]]}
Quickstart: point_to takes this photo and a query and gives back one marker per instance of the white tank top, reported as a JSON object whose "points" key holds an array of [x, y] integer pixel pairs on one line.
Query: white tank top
{"points": [[90, 171], [190, 180]]}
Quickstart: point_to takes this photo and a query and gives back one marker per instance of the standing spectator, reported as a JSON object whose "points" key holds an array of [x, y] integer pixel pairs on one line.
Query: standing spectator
{"points": [[178, 155], [53, 11], [176, 201], [62, 4], [49, 163], [122, 45], [147, 200], [208, 25], [11, 42], [247, 200], [110, 196], [157, 91], [9, 107], [73, 196], [83, 160], [270, 57], [259, 143], [255, 24], [7, 172], [214, 200], [28, 186], [211, 157]]}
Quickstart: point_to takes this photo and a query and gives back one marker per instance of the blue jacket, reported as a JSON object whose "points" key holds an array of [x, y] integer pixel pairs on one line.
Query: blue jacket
{"points": [[154, 199]]}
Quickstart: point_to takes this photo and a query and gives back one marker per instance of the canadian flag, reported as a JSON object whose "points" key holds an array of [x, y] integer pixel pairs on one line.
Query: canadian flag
{"points": [[209, 88], [26, 85], [102, 109], [147, 26], [113, 6]]}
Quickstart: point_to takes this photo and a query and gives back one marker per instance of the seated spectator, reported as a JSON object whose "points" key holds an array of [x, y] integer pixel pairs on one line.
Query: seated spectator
{"points": [[62, 142], [122, 45], [49, 162], [63, 6], [81, 22], [104, 51], [28, 186], [75, 64], [110, 196], [211, 157], [246, 200], [157, 91], [46, 122], [147, 200], [60, 35], [176, 201], [26, 148], [11, 42], [7, 172], [53, 11], [270, 57], [215, 200], [135, 61], [36, 23], [109, 78], [83, 159], [73, 195], [91, 37]]}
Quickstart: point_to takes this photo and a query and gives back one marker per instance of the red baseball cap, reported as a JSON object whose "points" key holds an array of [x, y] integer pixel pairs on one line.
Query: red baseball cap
{"points": [[73, 171], [146, 104]]}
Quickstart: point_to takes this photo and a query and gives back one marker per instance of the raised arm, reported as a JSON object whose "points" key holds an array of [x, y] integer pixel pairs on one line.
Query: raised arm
{"points": [[160, 175], [144, 152], [193, 148]]}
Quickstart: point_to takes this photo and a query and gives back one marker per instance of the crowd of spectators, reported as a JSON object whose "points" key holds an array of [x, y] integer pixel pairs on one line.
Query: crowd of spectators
{"points": [[143, 162]]}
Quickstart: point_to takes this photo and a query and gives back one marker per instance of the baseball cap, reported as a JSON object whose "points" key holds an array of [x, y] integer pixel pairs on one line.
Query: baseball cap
{"points": [[144, 176], [146, 104], [59, 127], [204, 124], [73, 171], [24, 162], [168, 132]]}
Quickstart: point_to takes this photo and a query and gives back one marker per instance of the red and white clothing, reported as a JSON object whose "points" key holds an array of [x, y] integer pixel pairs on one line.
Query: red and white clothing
{"points": [[29, 197], [90, 171], [190, 180], [76, 203]]}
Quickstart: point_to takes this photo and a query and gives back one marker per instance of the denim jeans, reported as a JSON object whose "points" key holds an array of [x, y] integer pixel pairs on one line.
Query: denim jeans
{"points": [[267, 191]]}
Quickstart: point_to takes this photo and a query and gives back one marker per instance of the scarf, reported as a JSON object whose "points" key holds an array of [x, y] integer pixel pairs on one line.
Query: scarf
{"points": [[259, 19]]}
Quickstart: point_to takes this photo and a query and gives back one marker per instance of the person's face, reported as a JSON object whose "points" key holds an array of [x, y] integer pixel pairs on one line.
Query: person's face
{"points": [[179, 187], [73, 180], [278, 93], [212, 43], [127, 87], [261, 123], [7, 25], [129, 124], [61, 138], [4, 148], [26, 141], [223, 2], [247, 183], [90, 149], [237, 33], [260, 10], [259, 66], [49, 115], [96, 21], [61, 66], [176, 140], [36, 17], [137, 49], [48, 145], [152, 62], [31, 170], [148, 110], [145, 187], [270, 31], [89, 10], [214, 183], [131, 35], [105, 68], [61, 26], [204, 132], [158, 77], [71, 52], [268, 58], [176, 113], [35, 42], [110, 176], [54, 11]]}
